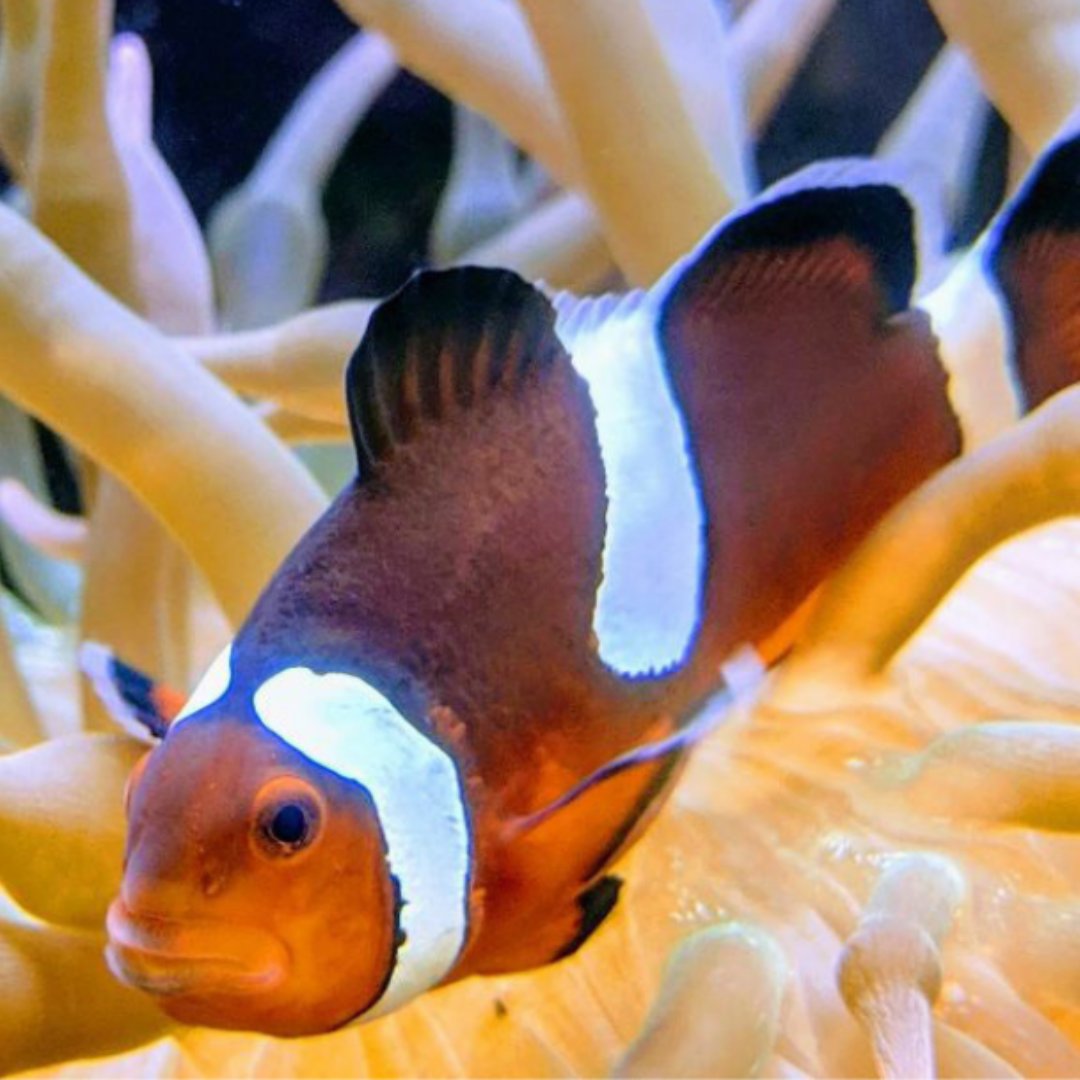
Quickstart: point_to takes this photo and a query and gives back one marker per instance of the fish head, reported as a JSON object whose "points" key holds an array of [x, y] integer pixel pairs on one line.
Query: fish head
{"points": [[256, 892]]}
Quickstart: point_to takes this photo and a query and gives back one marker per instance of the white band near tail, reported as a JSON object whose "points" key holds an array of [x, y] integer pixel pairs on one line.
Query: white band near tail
{"points": [[649, 602], [345, 725]]}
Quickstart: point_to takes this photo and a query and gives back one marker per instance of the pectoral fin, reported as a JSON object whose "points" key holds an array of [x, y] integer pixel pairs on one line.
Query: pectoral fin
{"points": [[552, 897], [143, 707]]}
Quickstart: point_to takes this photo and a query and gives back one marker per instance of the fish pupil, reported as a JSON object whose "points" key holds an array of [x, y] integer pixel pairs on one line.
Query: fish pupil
{"points": [[289, 825]]}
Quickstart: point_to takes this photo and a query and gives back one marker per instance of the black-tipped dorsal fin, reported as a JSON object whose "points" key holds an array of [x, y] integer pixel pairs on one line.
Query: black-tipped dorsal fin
{"points": [[443, 342], [815, 399], [876, 212], [1034, 257], [466, 559]]}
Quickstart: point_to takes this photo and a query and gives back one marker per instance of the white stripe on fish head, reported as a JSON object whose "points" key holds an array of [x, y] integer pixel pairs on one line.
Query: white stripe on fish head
{"points": [[345, 725], [649, 603], [213, 686]]}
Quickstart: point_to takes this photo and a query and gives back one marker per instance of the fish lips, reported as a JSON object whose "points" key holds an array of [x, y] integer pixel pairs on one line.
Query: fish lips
{"points": [[185, 958]]}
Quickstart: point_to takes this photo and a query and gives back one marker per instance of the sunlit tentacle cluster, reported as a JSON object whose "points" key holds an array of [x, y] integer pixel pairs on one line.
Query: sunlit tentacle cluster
{"points": [[873, 870]]}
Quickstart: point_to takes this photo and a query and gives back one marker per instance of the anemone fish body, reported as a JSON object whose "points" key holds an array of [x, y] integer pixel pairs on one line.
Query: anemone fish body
{"points": [[467, 689]]}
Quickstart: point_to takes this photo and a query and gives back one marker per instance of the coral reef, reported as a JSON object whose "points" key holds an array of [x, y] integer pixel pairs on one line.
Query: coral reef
{"points": [[870, 870]]}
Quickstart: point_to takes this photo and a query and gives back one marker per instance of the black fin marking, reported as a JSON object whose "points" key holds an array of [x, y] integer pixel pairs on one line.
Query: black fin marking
{"points": [[596, 903], [862, 202], [444, 341], [138, 703], [1049, 197], [1034, 258]]}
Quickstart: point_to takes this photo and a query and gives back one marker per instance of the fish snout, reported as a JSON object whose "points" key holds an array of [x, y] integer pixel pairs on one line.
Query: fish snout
{"points": [[182, 957]]}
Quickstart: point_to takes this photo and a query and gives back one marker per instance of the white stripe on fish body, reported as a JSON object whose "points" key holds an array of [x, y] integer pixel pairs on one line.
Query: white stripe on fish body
{"points": [[212, 687], [649, 603], [345, 725]]}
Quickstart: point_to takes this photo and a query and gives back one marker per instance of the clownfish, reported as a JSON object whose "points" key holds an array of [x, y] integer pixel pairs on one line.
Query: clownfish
{"points": [[468, 688]]}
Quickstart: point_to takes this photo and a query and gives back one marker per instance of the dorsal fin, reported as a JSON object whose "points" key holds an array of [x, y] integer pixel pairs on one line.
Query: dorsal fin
{"points": [[1034, 257], [463, 566], [877, 208], [443, 342], [814, 398]]}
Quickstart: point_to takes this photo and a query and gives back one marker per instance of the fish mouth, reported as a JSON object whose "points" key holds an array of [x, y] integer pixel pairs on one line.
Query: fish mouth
{"points": [[181, 958]]}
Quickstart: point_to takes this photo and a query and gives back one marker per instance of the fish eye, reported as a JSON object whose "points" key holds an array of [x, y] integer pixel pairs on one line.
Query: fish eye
{"points": [[289, 826], [288, 817]]}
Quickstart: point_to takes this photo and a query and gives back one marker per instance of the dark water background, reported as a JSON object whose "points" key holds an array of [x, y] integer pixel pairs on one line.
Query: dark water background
{"points": [[227, 71]]}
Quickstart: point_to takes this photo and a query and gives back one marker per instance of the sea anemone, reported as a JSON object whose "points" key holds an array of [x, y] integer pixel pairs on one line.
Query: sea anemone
{"points": [[870, 869]]}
